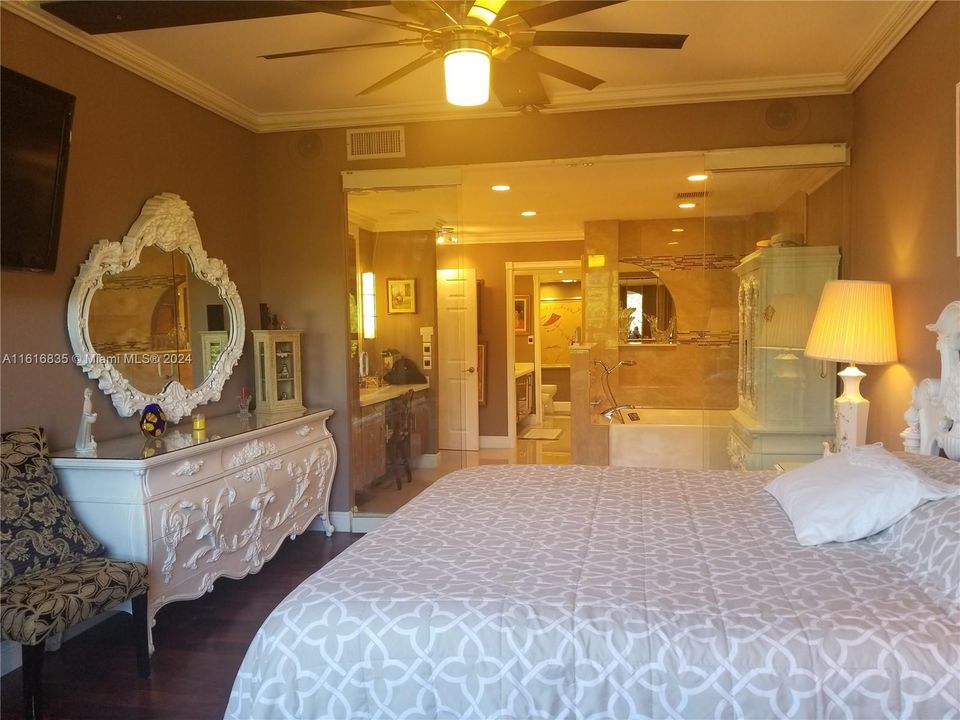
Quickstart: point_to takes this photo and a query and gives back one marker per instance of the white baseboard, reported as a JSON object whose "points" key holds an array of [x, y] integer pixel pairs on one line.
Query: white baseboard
{"points": [[427, 460], [340, 520], [495, 441], [561, 407]]}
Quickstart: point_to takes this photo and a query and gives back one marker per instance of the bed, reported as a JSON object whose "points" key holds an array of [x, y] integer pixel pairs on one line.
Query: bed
{"points": [[600, 592]]}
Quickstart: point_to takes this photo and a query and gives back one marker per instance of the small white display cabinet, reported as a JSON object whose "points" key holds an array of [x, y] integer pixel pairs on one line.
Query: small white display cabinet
{"points": [[277, 358]]}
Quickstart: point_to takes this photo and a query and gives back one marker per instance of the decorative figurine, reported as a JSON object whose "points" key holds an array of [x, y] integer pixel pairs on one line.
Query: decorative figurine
{"points": [[86, 446], [153, 421]]}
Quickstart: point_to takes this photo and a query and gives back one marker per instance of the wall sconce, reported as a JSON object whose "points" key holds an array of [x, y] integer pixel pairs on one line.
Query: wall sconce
{"points": [[368, 302]]}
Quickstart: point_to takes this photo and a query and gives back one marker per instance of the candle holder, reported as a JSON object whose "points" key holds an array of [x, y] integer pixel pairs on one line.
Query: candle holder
{"points": [[243, 402]]}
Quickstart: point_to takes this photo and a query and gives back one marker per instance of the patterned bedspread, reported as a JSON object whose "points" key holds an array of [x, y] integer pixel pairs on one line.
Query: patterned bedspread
{"points": [[517, 592]]}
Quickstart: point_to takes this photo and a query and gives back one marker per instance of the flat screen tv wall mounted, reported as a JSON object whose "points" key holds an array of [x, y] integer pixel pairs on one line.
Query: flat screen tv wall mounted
{"points": [[34, 145]]}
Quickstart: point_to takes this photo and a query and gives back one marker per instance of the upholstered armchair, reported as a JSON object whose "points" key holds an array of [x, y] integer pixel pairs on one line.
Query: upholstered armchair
{"points": [[54, 574]]}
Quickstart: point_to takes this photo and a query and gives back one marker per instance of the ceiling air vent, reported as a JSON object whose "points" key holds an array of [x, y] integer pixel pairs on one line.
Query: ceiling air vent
{"points": [[371, 143], [692, 195]]}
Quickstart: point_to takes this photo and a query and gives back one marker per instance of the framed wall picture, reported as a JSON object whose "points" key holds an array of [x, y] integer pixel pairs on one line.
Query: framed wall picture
{"points": [[482, 372], [401, 295], [521, 314]]}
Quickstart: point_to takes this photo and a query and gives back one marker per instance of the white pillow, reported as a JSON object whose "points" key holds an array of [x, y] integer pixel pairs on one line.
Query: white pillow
{"points": [[851, 495]]}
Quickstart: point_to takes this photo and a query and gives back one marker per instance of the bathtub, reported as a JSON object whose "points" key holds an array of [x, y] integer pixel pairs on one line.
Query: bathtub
{"points": [[671, 438]]}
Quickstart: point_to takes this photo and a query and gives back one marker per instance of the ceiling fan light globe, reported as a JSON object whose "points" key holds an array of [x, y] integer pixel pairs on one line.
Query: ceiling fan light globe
{"points": [[466, 74]]}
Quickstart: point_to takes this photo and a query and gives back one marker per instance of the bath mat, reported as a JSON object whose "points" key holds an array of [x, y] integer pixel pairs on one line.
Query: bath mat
{"points": [[541, 434]]}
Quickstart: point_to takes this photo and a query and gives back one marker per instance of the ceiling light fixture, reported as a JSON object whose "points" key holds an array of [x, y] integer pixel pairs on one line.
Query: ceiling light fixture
{"points": [[500, 188], [673, 242], [466, 69], [529, 213], [677, 230], [445, 234], [686, 206], [696, 178]]}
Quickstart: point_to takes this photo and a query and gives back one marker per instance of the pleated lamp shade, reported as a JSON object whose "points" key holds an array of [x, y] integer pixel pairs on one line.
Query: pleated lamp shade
{"points": [[854, 324]]}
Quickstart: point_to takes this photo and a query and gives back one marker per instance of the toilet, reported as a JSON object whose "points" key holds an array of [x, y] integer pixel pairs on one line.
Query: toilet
{"points": [[546, 398]]}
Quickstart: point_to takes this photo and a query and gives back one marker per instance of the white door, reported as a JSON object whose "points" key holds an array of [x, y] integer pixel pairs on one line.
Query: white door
{"points": [[456, 348]]}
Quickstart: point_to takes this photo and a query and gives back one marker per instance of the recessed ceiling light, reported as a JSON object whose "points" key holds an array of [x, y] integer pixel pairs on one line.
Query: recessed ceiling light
{"points": [[677, 230], [696, 178], [560, 272], [686, 206], [674, 242], [499, 188], [568, 280], [528, 213]]}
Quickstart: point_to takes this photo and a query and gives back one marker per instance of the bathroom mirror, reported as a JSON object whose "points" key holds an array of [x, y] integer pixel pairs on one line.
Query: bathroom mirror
{"points": [[647, 312], [152, 318]]}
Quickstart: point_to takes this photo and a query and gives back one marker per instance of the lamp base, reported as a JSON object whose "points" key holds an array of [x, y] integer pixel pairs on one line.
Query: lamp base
{"points": [[851, 410]]}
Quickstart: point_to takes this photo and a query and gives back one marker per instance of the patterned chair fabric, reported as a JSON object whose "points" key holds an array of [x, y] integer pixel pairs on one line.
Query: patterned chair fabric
{"points": [[52, 574], [42, 603], [37, 528]]}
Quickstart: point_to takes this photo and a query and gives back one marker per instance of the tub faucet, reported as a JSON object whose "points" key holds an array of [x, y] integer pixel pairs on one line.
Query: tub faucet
{"points": [[614, 408]]}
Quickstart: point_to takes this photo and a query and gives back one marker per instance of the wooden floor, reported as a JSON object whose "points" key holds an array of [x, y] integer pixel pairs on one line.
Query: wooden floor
{"points": [[199, 646]]}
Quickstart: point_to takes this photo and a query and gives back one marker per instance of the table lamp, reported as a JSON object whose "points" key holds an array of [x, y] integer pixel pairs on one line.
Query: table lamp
{"points": [[853, 324]]}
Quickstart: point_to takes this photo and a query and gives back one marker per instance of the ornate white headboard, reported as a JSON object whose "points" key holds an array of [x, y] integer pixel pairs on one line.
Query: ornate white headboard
{"points": [[933, 418]]}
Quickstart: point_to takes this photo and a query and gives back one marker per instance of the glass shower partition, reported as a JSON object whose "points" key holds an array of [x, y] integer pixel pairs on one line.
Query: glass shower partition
{"points": [[402, 336]]}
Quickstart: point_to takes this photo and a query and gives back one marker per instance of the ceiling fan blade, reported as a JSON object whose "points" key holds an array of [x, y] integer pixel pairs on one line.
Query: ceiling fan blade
{"points": [[558, 38], [564, 72], [109, 16], [516, 82], [562, 9], [397, 74], [322, 51]]}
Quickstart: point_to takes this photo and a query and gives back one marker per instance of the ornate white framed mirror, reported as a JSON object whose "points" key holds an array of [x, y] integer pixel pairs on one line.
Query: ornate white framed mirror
{"points": [[152, 318]]}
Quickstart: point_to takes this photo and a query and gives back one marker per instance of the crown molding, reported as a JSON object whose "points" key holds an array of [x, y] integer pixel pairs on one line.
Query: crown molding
{"points": [[898, 21], [150, 67]]}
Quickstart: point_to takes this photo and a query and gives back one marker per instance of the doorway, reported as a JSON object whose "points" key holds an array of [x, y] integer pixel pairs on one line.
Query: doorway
{"points": [[547, 322]]}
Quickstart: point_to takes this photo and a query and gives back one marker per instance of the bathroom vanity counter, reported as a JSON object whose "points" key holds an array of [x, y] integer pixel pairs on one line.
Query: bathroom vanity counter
{"points": [[374, 396], [521, 369]]}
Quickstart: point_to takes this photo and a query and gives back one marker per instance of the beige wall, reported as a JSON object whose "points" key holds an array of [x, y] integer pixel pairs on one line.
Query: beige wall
{"points": [[904, 202], [131, 140]]}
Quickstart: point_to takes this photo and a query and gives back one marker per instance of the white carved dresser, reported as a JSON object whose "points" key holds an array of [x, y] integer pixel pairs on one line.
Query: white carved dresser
{"points": [[203, 507]]}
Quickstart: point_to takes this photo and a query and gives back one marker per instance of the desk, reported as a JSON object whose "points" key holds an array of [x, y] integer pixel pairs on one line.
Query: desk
{"points": [[201, 508]]}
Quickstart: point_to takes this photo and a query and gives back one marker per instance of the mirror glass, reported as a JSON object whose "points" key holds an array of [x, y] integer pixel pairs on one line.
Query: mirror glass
{"points": [[648, 313], [153, 318], [158, 322]]}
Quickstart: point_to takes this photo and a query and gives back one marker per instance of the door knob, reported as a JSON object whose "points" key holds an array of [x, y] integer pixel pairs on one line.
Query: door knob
{"points": [[471, 369]]}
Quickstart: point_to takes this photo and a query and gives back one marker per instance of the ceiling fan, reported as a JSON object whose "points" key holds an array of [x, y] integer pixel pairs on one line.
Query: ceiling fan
{"points": [[468, 35]]}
